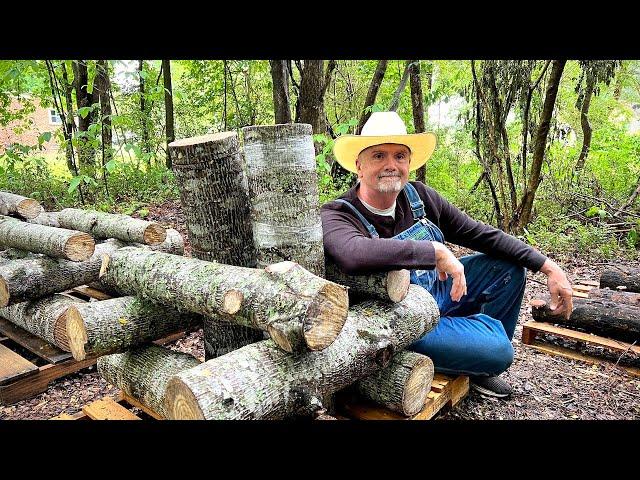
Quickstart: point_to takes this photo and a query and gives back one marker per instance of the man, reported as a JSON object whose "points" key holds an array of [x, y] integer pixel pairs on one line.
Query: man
{"points": [[387, 223]]}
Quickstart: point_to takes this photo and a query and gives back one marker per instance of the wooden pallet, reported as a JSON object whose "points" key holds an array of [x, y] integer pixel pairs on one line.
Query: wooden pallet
{"points": [[532, 330], [446, 392], [109, 409], [29, 364]]}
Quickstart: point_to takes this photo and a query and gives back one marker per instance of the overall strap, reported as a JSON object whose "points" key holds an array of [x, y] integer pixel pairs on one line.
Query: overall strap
{"points": [[417, 207], [370, 228]]}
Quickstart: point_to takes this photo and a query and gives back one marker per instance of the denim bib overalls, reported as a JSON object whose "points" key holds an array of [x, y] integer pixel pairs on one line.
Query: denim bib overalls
{"points": [[468, 338]]}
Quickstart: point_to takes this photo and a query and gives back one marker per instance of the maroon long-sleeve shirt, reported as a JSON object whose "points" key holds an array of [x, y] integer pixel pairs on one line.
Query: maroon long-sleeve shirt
{"points": [[348, 244]]}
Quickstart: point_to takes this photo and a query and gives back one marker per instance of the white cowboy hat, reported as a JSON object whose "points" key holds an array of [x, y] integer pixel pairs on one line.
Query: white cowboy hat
{"points": [[384, 127]]}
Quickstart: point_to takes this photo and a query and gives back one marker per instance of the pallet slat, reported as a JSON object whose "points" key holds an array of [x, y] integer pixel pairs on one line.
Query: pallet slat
{"points": [[13, 366], [107, 409], [34, 344]]}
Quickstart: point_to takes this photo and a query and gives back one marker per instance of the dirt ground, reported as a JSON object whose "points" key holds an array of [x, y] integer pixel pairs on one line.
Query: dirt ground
{"points": [[545, 387]]}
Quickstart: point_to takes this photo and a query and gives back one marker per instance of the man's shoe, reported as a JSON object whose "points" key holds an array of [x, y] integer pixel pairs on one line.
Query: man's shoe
{"points": [[492, 386]]}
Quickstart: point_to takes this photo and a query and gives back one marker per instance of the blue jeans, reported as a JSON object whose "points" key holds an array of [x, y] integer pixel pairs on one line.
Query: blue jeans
{"points": [[473, 336]]}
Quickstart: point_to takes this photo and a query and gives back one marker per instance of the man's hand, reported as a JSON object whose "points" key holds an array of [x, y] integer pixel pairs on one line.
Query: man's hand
{"points": [[559, 288], [448, 264]]}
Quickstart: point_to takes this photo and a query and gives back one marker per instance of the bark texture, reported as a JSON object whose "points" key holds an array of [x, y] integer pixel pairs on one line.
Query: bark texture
{"points": [[621, 276], [260, 381], [402, 386], [213, 194], [386, 286], [283, 190], [43, 318], [599, 315], [118, 324], [239, 295], [19, 205], [52, 241], [143, 373], [38, 275], [112, 225], [46, 218]]}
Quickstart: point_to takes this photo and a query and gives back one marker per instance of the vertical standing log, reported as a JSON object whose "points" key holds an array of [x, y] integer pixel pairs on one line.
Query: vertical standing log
{"points": [[283, 189], [213, 194]]}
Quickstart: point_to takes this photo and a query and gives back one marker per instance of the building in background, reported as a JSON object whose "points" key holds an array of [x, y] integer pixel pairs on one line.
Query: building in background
{"points": [[27, 130]]}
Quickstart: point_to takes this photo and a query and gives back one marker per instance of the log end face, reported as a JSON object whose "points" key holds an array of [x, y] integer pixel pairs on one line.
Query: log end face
{"points": [[537, 303], [154, 234], [4, 293], [326, 316], [280, 337], [398, 284], [232, 302], [281, 267], [29, 208], [79, 247], [105, 265], [180, 402], [418, 386], [76, 333]]}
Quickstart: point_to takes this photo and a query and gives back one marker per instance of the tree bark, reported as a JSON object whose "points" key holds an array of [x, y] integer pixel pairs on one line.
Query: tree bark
{"points": [[526, 205], [214, 196], [119, 324], [402, 386], [615, 296], [261, 382], [584, 122], [44, 318], [372, 93], [143, 373], [616, 276], [143, 110], [417, 108], [395, 101], [38, 276], [168, 107], [239, 295], [386, 286], [283, 190], [313, 85], [46, 218], [111, 225], [599, 315], [84, 99], [103, 86], [52, 241], [18, 205], [280, 78]]}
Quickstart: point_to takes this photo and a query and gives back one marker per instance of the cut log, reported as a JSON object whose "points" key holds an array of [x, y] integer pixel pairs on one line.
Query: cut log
{"points": [[43, 318], [39, 275], [46, 218], [214, 198], [143, 373], [55, 242], [621, 276], [283, 190], [615, 296], [239, 295], [173, 243], [601, 316], [260, 381], [22, 206], [384, 286], [112, 225], [402, 386], [4, 208], [118, 324]]}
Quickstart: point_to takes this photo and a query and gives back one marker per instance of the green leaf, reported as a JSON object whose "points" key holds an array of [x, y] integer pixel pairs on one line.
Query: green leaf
{"points": [[111, 165], [143, 212], [44, 137], [73, 185], [592, 212], [84, 111]]}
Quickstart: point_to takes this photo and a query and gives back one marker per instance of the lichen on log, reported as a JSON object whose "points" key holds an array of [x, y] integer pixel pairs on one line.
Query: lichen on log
{"points": [[387, 286]]}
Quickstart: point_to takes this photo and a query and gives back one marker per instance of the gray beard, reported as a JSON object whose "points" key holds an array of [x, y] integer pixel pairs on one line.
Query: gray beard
{"points": [[387, 186]]}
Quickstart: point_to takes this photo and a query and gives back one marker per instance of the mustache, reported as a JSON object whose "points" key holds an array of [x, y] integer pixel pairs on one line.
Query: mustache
{"points": [[383, 175]]}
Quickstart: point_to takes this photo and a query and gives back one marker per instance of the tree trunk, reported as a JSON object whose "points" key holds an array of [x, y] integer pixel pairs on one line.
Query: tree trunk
{"points": [[313, 86], [38, 276], [84, 99], [629, 202], [52, 241], [143, 373], [616, 276], [261, 382], [395, 101], [146, 147], [386, 286], [526, 205], [584, 122], [18, 205], [44, 318], [119, 324], [111, 225], [417, 107], [239, 295], [283, 190], [372, 93], [599, 315], [168, 107], [103, 86], [213, 193], [280, 78], [402, 386]]}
